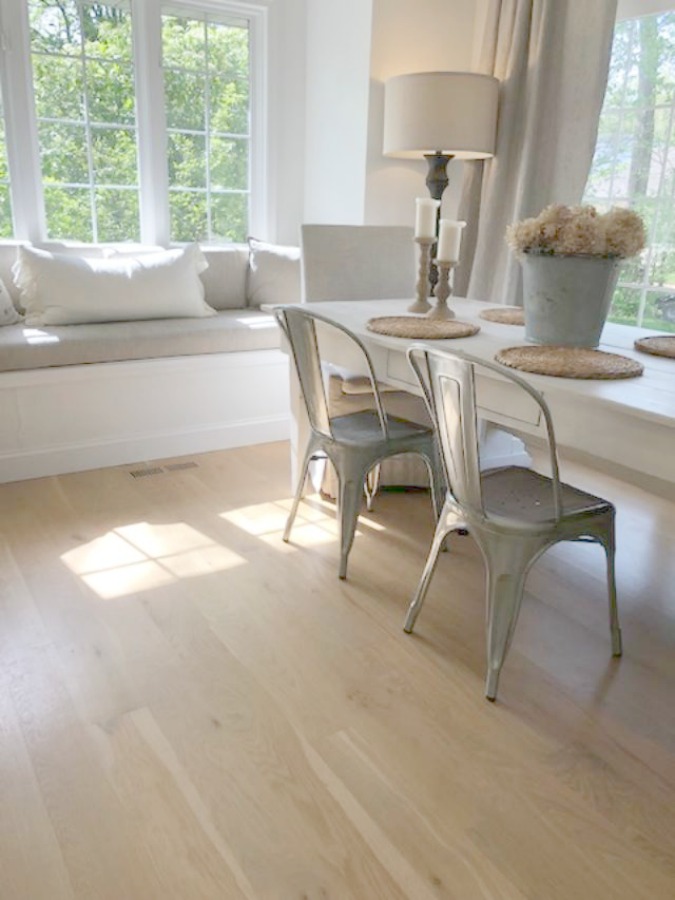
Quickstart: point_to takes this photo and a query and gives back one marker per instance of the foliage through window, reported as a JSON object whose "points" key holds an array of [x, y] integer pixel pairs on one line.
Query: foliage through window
{"points": [[206, 81], [5, 203], [83, 79], [120, 144], [634, 163]]}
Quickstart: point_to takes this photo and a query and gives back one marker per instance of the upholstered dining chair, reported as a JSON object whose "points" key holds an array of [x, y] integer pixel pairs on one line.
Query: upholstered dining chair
{"points": [[354, 442], [365, 262], [514, 513]]}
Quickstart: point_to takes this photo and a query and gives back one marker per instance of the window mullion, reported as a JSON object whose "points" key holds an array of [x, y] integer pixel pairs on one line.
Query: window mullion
{"points": [[23, 154], [151, 122]]}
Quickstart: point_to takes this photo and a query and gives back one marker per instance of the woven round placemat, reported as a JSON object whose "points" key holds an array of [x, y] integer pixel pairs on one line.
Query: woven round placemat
{"points": [[657, 346], [569, 362], [420, 327], [505, 315]]}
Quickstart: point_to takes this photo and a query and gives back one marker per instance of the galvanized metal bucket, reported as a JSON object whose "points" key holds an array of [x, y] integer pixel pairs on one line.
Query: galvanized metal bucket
{"points": [[567, 298]]}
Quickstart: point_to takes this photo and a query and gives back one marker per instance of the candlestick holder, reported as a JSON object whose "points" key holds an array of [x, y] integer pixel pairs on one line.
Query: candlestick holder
{"points": [[421, 304], [442, 291]]}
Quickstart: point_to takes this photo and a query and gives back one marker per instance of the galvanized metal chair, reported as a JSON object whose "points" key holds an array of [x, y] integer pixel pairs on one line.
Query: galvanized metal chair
{"points": [[355, 442], [365, 262], [514, 513]]}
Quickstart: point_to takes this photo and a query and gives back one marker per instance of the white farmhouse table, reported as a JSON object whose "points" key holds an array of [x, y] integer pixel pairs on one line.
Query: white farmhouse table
{"points": [[629, 423]]}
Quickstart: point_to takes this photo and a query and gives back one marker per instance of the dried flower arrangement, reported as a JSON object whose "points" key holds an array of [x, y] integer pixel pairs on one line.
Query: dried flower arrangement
{"points": [[579, 231]]}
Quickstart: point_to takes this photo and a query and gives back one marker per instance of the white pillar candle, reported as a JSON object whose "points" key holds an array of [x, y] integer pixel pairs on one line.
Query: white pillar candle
{"points": [[449, 238], [425, 218]]}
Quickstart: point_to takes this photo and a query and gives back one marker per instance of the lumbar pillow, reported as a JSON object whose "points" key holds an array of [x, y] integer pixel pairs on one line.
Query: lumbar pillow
{"points": [[8, 312], [65, 290], [274, 274]]}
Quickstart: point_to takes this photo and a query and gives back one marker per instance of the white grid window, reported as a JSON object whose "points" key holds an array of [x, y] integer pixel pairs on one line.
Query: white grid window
{"points": [[634, 163], [133, 120], [83, 80], [206, 84]]}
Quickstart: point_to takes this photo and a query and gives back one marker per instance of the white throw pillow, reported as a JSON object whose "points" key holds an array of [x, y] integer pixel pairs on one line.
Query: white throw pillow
{"points": [[274, 273], [8, 312], [66, 290]]}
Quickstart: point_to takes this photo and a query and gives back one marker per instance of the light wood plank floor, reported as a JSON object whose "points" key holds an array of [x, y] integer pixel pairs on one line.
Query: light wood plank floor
{"points": [[191, 709]]}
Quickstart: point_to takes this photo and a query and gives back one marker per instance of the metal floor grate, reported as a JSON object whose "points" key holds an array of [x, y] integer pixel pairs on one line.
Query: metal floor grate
{"points": [[162, 470]]}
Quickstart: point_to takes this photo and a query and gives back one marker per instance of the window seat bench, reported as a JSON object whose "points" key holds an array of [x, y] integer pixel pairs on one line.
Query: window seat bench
{"points": [[77, 397]]}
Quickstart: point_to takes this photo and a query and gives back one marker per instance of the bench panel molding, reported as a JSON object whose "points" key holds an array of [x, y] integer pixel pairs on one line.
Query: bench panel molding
{"points": [[84, 417]]}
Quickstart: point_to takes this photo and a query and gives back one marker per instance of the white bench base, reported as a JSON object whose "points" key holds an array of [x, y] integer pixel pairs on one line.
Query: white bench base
{"points": [[73, 418]]}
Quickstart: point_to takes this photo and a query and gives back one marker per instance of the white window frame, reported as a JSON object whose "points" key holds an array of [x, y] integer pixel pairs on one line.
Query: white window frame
{"points": [[23, 154], [636, 9]]}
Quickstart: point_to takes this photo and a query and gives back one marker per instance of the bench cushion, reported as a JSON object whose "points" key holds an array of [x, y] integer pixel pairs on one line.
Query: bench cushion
{"points": [[23, 347]]}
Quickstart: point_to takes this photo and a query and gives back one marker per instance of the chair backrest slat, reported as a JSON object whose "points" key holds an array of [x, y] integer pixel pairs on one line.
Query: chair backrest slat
{"points": [[449, 381], [299, 325]]}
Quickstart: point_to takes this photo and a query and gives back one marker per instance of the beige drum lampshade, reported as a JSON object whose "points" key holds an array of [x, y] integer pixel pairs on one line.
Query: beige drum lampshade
{"points": [[448, 112]]}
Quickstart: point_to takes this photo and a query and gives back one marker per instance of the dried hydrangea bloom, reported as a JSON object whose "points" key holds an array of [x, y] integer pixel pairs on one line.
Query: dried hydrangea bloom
{"points": [[578, 230]]}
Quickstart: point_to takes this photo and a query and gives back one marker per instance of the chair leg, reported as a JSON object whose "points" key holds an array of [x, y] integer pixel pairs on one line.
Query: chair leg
{"points": [[298, 493], [505, 592], [448, 522], [349, 503], [507, 563], [615, 630]]}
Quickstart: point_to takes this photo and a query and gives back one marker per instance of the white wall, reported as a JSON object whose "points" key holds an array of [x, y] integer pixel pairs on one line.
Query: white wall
{"points": [[336, 109], [286, 116], [420, 36], [328, 72]]}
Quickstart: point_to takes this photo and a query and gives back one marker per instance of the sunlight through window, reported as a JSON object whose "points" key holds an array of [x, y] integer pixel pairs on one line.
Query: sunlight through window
{"points": [[144, 556]]}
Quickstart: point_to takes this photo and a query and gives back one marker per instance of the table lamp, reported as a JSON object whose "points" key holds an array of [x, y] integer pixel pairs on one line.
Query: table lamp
{"points": [[441, 116]]}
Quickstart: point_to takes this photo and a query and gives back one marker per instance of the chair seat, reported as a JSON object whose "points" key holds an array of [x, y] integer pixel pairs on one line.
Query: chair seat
{"points": [[517, 493], [364, 428]]}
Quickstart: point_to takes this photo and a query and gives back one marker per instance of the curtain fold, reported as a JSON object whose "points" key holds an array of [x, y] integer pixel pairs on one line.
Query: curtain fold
{"points": [[552, 59]]}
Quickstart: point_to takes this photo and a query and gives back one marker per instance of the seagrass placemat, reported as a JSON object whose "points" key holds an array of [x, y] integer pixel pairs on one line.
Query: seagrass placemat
{"points": [[505, 315], [420, 327], [657, 345], [569, 362]]}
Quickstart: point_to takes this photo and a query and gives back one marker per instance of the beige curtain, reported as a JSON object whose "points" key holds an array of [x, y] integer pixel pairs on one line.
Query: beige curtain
{"points": [[552, 59]]}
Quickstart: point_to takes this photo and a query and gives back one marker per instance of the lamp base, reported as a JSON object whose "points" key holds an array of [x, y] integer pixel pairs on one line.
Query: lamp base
{"points": [[437, 180]]}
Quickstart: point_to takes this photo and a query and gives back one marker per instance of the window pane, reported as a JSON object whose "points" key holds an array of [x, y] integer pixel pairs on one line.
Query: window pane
{"points": [[229, 164], [114, 156], [187, 160], [230, 217], [107, 31], [55, 27], [185, 100], [189, 216], [183, 43], [6, 227], [83, 78], [110, 93], [68, 213], [6, 230], [660, 311], [117, 215], [64, 153], [206, 77], [59, 89], [229, 105], [228, 51], [625, 305], [634, 161]]}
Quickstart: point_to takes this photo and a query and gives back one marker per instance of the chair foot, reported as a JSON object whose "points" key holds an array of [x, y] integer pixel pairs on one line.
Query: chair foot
{"points": [[491, 683], [617, 643]]}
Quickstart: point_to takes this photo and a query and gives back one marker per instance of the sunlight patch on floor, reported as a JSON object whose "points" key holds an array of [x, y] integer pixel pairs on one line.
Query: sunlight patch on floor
{"points": [[315, 522], [143, 556]]}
